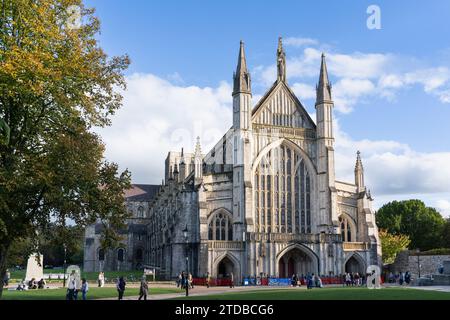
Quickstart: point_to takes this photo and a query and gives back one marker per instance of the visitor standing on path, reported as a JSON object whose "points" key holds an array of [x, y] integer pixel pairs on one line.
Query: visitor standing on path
{"points": [[143, 290], [101, 280], [121, 284], [231, 280], [84, 288], [208, 278]]}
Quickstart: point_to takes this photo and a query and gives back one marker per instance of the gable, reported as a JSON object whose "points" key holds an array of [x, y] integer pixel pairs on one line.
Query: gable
{"points": [[280, 107]]}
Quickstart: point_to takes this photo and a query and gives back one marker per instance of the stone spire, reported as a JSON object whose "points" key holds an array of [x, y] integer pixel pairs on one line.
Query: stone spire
{"points": [[281, 62], [182, 166], [323, 88], [198, 148], [241, 78], [198, 163], [359, 173]]}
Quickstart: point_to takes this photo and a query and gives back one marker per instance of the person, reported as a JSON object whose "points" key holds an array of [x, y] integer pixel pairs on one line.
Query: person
{"points": [[121, 284], [190, 282], [41, 284], [32, 284], [208, 278], [357, 279], [401, 278], [231, 280], [309, 281], [143, 290], [441, 269], [348, 279], [6, 278], [407, 277], [293, 280], [84, 288], [21, 286], [101, 279], [71, 288], [179, 279]]}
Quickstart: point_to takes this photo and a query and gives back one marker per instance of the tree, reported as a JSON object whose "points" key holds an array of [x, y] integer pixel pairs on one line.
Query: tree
{"points": [[392, 244], [56, 85], [423, 225], [446, 234]]}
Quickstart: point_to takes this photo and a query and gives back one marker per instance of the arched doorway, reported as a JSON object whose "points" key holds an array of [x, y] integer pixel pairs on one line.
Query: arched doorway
{"points": [[225, 268], [354, 265], [297, 261]]}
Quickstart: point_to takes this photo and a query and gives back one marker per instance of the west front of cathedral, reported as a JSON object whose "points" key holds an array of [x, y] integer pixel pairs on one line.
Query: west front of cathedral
{"points": [[263, 202]]}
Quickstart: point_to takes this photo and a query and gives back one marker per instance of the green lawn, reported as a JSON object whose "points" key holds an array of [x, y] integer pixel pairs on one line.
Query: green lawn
{"points": [[93, 293], [90, 276], [330, 294]]}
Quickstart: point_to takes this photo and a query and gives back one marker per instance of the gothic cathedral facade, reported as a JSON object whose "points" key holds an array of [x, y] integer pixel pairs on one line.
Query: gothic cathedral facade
{"points": [[264, 200]]}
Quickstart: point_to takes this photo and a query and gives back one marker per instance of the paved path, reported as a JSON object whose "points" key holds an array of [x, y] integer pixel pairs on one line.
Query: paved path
{"points": [[203, 291]]}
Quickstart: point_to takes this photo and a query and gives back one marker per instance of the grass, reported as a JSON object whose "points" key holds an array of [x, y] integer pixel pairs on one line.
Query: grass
{"points": [[93, 293], [330, 294], [19, 275]]}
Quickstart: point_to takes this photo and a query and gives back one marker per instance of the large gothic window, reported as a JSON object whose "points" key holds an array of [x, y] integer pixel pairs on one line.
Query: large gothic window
{"points": [[347, 229], [282, 193], [220, 227]]}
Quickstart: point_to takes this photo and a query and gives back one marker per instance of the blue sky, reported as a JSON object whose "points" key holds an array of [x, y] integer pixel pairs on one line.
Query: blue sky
{"points": [[402, 97]]}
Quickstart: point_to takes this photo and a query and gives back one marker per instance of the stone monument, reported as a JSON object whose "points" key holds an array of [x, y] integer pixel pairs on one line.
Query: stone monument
{"points": [[35, 267], [73, 273]]}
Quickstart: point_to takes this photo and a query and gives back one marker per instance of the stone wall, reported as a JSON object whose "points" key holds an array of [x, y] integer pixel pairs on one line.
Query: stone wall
{"points": [[429, 265]]}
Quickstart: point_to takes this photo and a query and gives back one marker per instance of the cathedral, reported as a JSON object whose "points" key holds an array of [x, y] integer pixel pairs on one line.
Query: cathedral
{"points": [[264, 201]]}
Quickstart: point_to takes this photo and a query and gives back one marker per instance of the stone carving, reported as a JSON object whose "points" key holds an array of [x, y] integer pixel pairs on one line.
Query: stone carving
{"points": [[35, 267]]}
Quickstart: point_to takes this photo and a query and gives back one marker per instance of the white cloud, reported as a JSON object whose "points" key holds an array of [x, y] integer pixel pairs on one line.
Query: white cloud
{"points": [[304, 91], [393, 171], [358, 76], [444, 207], [158, 116], [300, 42]]}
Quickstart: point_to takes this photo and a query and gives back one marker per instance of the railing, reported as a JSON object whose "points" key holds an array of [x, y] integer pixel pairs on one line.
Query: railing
{"points": [[217, 244], [293, 237], [283, 131], [355, 246]]}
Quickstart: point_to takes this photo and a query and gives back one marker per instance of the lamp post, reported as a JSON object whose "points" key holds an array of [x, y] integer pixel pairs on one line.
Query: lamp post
{"points": [[186, 280], [65, 265], [418, 260]]}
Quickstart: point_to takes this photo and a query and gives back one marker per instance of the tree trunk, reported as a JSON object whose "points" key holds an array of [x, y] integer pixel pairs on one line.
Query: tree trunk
{"points": [[4, 248]]}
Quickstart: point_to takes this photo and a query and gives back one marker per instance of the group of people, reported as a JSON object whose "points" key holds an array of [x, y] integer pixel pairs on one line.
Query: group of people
{"points": [[311, 280], [353, 279], [143, 288], [184, 279], [400, 278], [74, 287]]}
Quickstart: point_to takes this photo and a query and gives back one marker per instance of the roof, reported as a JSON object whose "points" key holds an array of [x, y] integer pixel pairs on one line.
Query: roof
{"points": [[141, 192]]}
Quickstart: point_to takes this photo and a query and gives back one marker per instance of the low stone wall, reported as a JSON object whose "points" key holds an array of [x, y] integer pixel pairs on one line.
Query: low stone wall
{"points": [[407, 261]]}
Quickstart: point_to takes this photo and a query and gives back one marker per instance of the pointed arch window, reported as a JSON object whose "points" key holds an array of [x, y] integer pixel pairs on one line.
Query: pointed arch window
{"points": [[220, 227], [348, 229], [282, 192]]}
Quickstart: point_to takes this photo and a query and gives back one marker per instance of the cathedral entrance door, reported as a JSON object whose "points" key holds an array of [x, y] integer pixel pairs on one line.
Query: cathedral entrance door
{"points": [[225, 268], [296, 261], [353, 265]]}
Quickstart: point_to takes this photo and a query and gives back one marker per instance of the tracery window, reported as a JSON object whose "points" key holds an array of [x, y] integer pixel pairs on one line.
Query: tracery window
{"points": [[282, 192], [346, 229], [220, 227]]}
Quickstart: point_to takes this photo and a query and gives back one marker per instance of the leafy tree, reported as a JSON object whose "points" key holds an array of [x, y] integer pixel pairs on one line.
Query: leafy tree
{"points": [[423, 225], [392, 244], [56, 84], [446, 234]]}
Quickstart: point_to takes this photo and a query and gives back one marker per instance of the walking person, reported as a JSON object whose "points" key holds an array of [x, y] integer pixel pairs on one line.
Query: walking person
{"points": [[190, 281], [121, 284], [143, 289], [84, 288], [101, 280], [208, 278], [231, 280]]}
